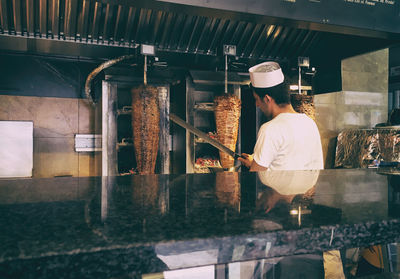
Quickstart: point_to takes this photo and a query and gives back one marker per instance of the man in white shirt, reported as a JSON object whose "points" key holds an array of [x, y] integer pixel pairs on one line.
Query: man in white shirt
{"points": [[290, 140]]}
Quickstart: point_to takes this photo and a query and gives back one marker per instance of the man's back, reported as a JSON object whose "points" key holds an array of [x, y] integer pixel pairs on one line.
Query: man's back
{"points": [[290, 141]]}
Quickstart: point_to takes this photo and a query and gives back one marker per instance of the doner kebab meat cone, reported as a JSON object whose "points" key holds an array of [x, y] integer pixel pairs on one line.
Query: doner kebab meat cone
{"points": [[227, 114], [146, 127], [303, 104]]}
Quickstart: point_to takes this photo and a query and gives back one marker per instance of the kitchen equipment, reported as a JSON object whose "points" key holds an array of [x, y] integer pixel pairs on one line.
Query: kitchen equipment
{"points": [[227, 115]]}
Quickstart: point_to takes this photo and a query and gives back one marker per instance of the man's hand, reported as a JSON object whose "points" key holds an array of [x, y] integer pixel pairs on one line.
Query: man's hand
{"points": [[250, 163], [246, 159]]}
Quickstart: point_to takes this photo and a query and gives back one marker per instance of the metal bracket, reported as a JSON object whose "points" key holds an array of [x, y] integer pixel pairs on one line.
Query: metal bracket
{"points": [[303, 61], [147, 50], [87, 143], [230, 50]]}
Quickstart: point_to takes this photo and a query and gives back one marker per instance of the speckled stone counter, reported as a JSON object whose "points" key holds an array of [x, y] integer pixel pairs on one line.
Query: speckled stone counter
{"points": [[111, 227]]}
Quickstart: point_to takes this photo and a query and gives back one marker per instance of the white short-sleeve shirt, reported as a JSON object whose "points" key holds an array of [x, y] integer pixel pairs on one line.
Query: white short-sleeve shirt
{"points": [[290, 141]]}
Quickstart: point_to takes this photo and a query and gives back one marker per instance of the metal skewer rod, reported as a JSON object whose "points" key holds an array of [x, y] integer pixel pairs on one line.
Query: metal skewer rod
{"points": [[299, 79], [226, 73], [145, 70]]}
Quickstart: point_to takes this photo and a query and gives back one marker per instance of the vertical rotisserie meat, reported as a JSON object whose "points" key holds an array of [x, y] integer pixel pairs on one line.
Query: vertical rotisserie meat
{"points": [[303, 104], [227, 114], [146, 127]]}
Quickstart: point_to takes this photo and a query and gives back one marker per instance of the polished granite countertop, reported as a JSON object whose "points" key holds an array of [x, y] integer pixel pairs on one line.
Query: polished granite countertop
{"points": [[105, 227]]}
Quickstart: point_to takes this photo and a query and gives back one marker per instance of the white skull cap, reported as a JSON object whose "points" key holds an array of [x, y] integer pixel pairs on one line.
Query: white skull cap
{"points": [[266, 74]]}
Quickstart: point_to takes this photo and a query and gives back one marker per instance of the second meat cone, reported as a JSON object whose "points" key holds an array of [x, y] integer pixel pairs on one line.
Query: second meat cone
{"points": [[146, 127], [303, 104], [227, 114]]}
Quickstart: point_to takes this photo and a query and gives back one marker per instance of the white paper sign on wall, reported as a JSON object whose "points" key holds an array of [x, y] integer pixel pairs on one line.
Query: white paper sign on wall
{"points": [[16, 148]]}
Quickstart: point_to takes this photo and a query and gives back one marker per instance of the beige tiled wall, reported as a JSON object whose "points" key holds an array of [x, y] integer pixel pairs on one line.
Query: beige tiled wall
{"points": [[55, 123], [362, 103]]}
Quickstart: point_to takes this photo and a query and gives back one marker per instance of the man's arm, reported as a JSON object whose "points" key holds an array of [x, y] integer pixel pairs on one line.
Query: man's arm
{"points": [[248, 161], [256, 167]]}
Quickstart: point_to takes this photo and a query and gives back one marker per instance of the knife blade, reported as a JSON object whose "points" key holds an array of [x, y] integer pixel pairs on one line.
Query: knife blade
{"points": [[203, 135]]}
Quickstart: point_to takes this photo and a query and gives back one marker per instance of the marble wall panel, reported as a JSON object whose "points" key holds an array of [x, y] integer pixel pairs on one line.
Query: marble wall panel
{"points": [[364, 82], [366, 73], [55, 123], [325, 115], [89, 118], [370, 99], [90, 164], [52, 117], [353, 119], [363, 103], [373, 62], [378, 115], [329, 98], [359, 117], [55, 157]]}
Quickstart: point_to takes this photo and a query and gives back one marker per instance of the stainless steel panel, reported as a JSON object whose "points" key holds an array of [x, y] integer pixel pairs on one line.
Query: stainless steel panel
{"points": [[165, 139], [120, 17], [54, 14], [16, 148], [129, 24], [29, 14], [43, 17], [109, 130], [83, 21], [94, 24], [4, 15], [70, 19], [107, 22], [17, 16]]}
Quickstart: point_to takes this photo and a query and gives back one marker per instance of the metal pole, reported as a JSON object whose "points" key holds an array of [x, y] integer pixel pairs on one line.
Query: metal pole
{"points": [[226, 73], [145, 70], [299, 80]]}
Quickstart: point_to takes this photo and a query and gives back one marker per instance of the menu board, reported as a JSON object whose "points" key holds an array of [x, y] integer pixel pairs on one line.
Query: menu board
{"points": [[378, 15]]}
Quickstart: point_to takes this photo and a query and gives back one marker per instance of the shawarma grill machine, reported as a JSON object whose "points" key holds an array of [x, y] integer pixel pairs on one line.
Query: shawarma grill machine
{"points": [[135, 122]]}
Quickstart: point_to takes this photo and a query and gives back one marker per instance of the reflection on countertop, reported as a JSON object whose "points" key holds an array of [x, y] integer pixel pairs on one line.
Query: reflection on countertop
{"points": [[108, 226]]}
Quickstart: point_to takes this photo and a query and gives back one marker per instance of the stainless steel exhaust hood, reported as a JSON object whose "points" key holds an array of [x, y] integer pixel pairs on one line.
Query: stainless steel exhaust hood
{"points": [[191, 33], [111, 28]]}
